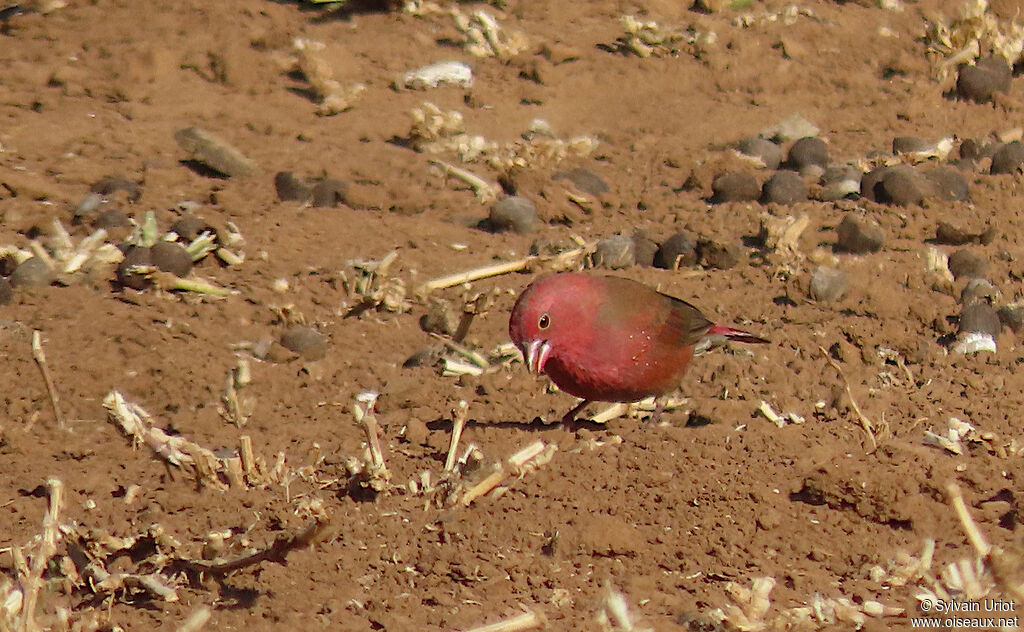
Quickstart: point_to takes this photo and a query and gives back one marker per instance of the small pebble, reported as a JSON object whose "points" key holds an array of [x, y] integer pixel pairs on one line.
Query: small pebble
{"points": [[1012, 316], [585, 180], [871, 184], [859, 235], [214, 152], [515, 213], [135, 256], [902, 186], [768, 152], [950, 235], [910, 145], [439, 319], [171, 257], [107, 187], [6, 291], [189, 226], [965, 264], [717, 254], [1008, 158], [808, 152], [734, 186], [615, 252], [949, 183], [305, 341], [32, 271], [291, 189], [329, 193], [644, 249], [112, 218], [828, 284], [677, 251], [971, 149], [784, 187]]}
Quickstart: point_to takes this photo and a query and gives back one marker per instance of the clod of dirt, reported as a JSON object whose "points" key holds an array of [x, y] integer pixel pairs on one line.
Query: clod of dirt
{"points": [[859, 235], [909, 145], [808, 152], [784, 187], [136, 256], [107, 187], [980, 82], [416, 432], [329, 193], [979, 318], [615, 252], [828, 284], [6, 291], [946, 233], [901, 185], [188, 227], [305, 341], [214, 152], [948, 183], [291, 189], [677, 251], [33, 271], [644, 249], [1008, 158], [439, 319], [734, 186], [110, 219], [763, 149], [514, 213], [965, 264], [171, 257], [721, 255], [584, 179], [1012, 316]]}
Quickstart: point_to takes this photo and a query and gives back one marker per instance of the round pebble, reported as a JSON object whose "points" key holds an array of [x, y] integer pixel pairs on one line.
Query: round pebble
{"points": [[171, 257], [965, 264], [859, 235], [970, 149], [784, 187], [615, 252], [291, 189], [768, 152], [6, 291], [305, 341], [808, 152], [644, 249], [949, 183], [902, 186], [514, 213], [329, 193], [979, 318], [716, 254], [734, 186], [910, 144], [135, 256], [32, 271], [871, 184], [110, 219], [677, 251], [980, 82], [107, 187], [1008, 158], [828, 284]]}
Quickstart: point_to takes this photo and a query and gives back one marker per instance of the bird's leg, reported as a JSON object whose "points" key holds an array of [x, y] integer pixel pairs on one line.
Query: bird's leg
{"points": [[659, 407], [570, 417]]}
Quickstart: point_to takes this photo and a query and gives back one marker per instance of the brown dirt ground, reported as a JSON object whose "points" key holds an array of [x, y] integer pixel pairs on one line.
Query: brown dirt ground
{"points": [[669, 516]]}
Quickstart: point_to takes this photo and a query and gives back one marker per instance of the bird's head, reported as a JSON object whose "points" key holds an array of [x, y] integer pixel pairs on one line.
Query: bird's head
{"points": [[547, 316]]}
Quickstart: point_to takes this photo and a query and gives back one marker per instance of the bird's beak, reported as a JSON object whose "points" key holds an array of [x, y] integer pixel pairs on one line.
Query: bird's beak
{"points": [[537, 355]]}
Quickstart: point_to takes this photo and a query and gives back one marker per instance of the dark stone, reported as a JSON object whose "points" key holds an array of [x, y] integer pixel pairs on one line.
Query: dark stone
{"points": [[329, 193], [978, 289], [291, 189], [615, 252], [1008, 158], [1012, 316], [644, 249], [171, 257], [768, 152], [677, 251], [111, 185], [136, 256], [859, 235], [113, 218], [965, 264], [717, 254], [7, 265], [980, 82], [807, 152], [980, 318], [902, 186], [514, 213], [188, 227], [734, 186], [305, 341], [970, 149], [784, 187], [946, 233], [32, 271], [949, 183], [871, 184], [910, 144]]}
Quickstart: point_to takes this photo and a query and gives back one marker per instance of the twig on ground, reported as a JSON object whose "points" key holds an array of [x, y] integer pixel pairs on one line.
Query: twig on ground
{"points": [[526, 621], [559, 261], [458, 424], [374, 474], [974, 534], [30, 574], [865, 423], [51, 389], [319, 531], [196, 621], [481, 188]]}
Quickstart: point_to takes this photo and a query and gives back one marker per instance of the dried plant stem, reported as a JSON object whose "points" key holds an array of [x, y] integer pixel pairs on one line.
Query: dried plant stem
{"points": [[319, 531], [974, 534], [469, 354], [519, 464], [559, 261], [458, 424], [51, 389], [865, 423], [196, 621], [526, 621], [31, 575], [481, 188]]}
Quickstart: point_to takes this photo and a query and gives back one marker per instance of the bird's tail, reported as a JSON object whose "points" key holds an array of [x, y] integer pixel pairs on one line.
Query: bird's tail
{"points": [[720, 331]]}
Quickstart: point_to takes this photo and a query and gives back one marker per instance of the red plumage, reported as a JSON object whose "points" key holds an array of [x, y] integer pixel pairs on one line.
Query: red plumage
{"points": [[610, 339]]}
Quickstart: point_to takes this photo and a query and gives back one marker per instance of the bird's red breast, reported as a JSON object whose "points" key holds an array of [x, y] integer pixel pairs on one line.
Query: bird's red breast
{"points": [[608, 338]]}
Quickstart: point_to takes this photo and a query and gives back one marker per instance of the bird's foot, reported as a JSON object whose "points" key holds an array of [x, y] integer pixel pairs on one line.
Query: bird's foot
{"points": [[569, 419]]}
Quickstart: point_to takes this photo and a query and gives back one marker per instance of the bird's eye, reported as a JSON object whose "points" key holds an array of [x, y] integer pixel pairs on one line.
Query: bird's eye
{"points": [[544, 321]]}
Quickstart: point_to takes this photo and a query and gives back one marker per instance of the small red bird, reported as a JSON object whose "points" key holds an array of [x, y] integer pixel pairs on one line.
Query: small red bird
{"points": [[610, 339]]}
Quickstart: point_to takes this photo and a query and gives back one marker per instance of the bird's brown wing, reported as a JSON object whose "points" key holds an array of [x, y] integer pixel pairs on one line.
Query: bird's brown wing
{"points": [[684, 322]]}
